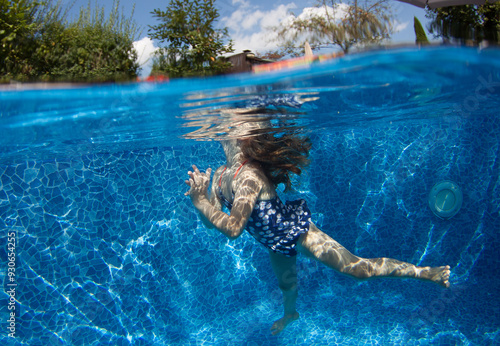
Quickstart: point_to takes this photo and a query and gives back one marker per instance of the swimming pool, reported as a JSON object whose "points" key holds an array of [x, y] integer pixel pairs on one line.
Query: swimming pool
{"points": [[108, 250]]}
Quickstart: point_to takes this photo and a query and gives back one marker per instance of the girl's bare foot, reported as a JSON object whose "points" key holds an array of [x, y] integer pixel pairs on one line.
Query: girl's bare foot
{"points": [[439, 275], [280, 324]]}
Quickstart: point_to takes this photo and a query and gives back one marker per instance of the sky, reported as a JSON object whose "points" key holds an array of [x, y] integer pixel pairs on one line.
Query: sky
{"points": [[248, 21]]}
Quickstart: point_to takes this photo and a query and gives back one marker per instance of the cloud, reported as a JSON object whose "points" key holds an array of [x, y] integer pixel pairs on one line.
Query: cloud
{"points": [[400, 26], [145, 48], [250, 28], [242, 2], [338, 13], [334, 14]]}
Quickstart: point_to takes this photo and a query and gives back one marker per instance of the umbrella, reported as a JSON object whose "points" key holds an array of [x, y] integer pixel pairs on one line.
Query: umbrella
{"points": [[444, 3]]}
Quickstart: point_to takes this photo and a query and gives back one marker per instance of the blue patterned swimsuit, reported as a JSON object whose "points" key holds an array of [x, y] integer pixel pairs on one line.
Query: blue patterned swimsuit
{"points": [[275, 225]]}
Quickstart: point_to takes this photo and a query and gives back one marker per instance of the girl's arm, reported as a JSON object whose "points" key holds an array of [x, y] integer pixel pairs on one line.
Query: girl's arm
{"points": [[212, 198], [246, 196]]}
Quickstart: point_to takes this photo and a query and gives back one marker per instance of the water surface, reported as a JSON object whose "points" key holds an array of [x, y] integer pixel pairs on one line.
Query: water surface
{"points": [[110, 251]]}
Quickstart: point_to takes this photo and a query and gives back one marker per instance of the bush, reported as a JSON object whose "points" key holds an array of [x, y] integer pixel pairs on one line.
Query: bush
{"points": [[468, 23], [94, 48], [17, 27]]}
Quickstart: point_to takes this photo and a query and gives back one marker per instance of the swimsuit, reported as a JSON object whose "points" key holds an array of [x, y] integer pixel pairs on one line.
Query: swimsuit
{"points": [[275, 225]]}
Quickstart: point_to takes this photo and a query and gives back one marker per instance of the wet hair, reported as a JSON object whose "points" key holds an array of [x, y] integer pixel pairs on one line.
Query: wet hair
{"points": [[279, 154]]}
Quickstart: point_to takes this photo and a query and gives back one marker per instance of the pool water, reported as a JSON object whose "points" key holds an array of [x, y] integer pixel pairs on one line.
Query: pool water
{"points": [[108, 250]]}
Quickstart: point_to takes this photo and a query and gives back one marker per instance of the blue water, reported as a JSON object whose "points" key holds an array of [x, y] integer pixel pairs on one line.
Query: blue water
{"points": [[109, 251]]}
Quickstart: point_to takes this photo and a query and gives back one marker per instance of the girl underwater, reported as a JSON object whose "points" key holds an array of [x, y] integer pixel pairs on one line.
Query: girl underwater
{"points": [[257, 162]]}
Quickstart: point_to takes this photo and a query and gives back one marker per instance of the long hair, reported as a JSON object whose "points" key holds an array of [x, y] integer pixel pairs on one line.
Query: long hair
{"points": [[279, 154]]}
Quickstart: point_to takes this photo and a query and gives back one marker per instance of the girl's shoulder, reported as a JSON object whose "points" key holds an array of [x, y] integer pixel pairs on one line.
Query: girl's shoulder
{"points": [[252, 170], [218, 172], [252, 167], [256, 174], [219, 169]]}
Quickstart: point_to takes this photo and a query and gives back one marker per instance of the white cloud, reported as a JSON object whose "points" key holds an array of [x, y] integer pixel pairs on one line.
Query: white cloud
{"points": [[338, 13], [400, 26], [242, 2], [145, 48], [252, 20], [250, 28], [334, 14]]}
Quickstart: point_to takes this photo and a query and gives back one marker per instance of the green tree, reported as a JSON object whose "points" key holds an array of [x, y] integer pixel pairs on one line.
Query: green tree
{"points": [[468, 23], [421, 37], [39, 43], [95, 47], [337, 23], [192, 43], [16, 35]]}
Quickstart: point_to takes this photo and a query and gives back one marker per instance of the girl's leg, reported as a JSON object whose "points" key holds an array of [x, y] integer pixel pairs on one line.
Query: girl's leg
{"points": [[285, 270], [323, 248]]}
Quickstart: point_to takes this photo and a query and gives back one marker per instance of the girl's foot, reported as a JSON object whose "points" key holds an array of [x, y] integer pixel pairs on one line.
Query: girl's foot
{"points": [[439, 275], [280, 324]]}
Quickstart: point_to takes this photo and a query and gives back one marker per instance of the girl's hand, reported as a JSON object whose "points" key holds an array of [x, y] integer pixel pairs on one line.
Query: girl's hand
{"points": [[198, 183]]}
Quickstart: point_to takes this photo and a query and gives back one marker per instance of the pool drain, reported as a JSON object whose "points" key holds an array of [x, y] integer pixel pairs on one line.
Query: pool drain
{"points": [[445, 199]]}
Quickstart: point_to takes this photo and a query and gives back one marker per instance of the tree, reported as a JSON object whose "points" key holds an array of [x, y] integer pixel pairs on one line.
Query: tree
{"points": [[193, 45], [468, 23], [271, 55], [341, 24], [39, 44], [95, 47], [16, 30], [421, 37]]}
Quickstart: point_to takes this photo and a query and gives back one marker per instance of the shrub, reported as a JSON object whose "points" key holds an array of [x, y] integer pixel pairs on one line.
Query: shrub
{"points": [[94, 48]]}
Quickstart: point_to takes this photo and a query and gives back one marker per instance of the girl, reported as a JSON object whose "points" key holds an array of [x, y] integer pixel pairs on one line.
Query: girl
{"points": [[246, 185]]}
